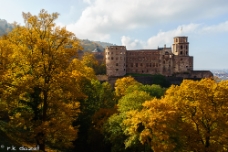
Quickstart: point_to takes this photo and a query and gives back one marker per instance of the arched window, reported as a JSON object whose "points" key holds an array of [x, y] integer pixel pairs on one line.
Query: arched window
{"points": [[181, 52], [181, 47]]}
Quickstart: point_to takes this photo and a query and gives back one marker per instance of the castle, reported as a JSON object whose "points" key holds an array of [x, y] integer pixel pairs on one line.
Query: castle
{"points": [[166, 61]]}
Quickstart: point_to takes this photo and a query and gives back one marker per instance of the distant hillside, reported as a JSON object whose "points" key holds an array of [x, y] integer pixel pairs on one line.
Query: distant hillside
{"points": [[94, 46], [104, 44], [5, 27]]}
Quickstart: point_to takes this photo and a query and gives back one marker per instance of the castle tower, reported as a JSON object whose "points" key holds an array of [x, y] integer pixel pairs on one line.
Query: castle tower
{"points": [[115, 57], [181, 46], [182, 62]]}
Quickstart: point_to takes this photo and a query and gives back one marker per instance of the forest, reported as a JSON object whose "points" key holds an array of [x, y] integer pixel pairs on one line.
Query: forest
{"points": [[51, 98]]}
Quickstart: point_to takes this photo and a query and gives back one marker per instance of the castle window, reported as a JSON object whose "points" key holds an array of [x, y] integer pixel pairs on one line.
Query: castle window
{"points": [[111, 58], [116, 69], [131, 64], [136, 64], [186, 52], [181, 52], [181, 47], [142, 71], [124, 69], [116, 64], [126, 65], [141, 64], [111, 52]]}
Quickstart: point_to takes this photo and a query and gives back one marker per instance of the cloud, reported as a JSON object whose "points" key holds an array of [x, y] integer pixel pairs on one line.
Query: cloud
{"points": [[132, 44], [166, 37], [102, 18]]}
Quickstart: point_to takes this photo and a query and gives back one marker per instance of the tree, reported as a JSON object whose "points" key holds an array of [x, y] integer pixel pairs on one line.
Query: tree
{"points": [[90, 60], [191, 117], [43, 80], [114, 127], [99, 95], [153, 90], [122, 84]]}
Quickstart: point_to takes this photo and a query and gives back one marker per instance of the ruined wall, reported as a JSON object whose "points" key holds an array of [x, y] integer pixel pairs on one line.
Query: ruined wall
{"points": [[182, 63], [166, 61], [115, 57], [143, 61]]}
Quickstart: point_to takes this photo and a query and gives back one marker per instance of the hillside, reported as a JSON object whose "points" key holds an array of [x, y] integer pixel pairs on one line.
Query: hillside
{"points": [[93, 46]]}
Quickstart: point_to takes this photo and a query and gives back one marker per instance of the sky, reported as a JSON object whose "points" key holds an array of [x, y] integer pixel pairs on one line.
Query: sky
{"points": [[140, 24]]}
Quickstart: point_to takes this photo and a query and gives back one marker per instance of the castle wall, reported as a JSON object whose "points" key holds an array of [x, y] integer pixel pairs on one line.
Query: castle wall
{"points": [[143, 61], [115, 60], [166, 61], [195, 74], [182, 63]]}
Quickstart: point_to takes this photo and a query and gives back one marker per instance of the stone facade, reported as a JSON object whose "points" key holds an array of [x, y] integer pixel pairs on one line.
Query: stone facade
{"points": [[165, 61], [115, 60]]}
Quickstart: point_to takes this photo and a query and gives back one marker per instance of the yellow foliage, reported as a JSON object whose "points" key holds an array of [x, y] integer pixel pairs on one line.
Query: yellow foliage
{"points": [[122, 84], [40, 76], [191, 117]]}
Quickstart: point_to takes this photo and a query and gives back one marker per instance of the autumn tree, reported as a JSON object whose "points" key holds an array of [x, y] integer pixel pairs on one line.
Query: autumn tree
{"points": [[191, 117], [42, 83], [90, 60], [132, 95], [122, 84]]}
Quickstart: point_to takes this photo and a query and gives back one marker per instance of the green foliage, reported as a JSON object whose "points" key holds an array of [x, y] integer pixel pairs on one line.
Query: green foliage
{"points": [[99, 95], [153, 90], [132, 95], [132, 101]]}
